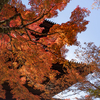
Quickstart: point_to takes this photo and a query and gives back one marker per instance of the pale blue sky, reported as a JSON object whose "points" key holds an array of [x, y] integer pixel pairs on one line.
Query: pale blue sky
{"points": [[73, 91], [92, 32]]}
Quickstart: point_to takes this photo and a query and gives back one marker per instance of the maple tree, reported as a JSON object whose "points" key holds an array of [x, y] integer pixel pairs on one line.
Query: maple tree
{"points": [[96, 4], [90, 54], [30, 56]]}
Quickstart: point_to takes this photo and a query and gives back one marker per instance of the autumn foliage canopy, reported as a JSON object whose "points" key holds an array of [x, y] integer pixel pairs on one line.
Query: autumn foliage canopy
{"points": [[27, 54]]}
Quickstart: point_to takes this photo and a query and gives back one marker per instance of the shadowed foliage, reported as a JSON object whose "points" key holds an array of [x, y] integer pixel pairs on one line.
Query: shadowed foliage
{"points": [[32, 49]]}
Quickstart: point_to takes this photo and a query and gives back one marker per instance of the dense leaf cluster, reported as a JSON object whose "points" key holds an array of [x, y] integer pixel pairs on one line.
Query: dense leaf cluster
{"points": [[32, 49]]}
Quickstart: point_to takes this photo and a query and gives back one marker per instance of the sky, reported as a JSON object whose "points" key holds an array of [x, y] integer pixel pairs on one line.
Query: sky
{"points": [[92, 32], [73, 92]]}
